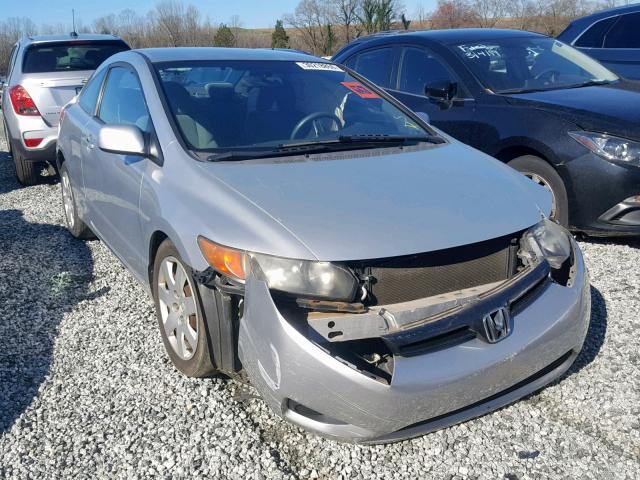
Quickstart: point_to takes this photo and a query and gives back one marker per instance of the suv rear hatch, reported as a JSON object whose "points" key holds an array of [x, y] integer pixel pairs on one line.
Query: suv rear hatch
{"points": [[54, 72]]}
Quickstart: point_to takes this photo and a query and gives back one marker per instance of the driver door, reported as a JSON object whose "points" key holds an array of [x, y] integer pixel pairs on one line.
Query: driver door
{"points": [[419, 68], [116, 178]]}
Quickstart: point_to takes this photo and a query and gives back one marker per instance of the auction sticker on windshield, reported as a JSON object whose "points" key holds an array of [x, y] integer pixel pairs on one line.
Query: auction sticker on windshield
{"points": [[319, 66], [360, 90]]}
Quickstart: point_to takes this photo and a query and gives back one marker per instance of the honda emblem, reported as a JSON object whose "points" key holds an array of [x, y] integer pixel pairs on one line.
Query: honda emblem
{"points": [[497, 324]]}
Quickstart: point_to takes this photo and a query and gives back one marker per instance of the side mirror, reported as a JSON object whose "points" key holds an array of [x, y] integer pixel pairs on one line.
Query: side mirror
{"points": [[123, 140], [441, 92], [424, 116]]}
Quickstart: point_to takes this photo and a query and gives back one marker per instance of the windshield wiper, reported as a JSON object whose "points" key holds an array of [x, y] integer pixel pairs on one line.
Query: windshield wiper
{"points": [[390, 139], [590, 83], [343, 142], [347, 141], [280, 151]]}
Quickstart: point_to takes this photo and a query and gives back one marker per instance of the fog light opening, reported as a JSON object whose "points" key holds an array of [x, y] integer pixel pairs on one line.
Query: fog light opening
{"points": [[312, 414]]}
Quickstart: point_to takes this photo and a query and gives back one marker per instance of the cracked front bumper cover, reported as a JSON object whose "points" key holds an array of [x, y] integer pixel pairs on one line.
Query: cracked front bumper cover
{"points": [[307, 386]]}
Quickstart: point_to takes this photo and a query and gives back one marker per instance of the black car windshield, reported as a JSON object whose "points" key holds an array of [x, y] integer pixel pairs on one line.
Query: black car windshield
{"points": [[70, 55], [518, 64], [253, 105]]}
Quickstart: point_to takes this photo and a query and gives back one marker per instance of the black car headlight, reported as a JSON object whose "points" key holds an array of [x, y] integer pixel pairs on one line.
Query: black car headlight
{"points": [[614, 149], [302, 278], [550, 241]]}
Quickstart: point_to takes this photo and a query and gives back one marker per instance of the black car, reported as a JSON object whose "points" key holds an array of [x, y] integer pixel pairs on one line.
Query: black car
{"points": [[543, 107], [611, 36]]}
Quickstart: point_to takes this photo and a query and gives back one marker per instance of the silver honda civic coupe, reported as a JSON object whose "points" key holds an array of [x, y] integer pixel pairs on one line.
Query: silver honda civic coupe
{"points": [[299, 229]]}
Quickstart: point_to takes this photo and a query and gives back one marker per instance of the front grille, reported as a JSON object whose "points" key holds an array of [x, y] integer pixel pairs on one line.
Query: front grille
{"points": [[402, 279]]}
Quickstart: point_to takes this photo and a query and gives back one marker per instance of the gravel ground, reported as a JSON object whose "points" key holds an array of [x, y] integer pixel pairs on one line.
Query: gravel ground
{"points": [[86, 389]]}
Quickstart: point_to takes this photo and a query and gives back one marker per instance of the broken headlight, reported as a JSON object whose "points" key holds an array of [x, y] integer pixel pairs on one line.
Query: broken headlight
{"points": [[615, 149], [551, 241], [305, 278]]}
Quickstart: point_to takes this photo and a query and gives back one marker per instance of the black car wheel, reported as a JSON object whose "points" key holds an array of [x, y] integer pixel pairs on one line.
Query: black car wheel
{"points": [[180, 313], [545, 175], [28, 173]]}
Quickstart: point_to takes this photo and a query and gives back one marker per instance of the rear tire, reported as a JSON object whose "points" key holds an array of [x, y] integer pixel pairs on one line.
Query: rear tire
{"points": [[180, 313], [75, 225], [27, 173], [545, 175]]}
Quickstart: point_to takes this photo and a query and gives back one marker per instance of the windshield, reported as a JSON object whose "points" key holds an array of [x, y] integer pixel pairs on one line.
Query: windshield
{"points": [[530, 63], [69, 56], [230, 105]]}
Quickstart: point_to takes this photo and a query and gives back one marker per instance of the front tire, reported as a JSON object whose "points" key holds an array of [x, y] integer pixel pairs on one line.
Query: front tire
{"points": [[75, 225], [27, 173], [545, 175], [180, 313]]}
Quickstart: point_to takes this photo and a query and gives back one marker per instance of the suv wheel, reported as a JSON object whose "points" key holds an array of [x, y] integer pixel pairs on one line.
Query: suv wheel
{"points": [[28, 173], [180, 313], [545, 175]]}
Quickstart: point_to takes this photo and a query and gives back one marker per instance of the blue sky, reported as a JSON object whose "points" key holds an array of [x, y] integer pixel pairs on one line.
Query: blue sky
{"points": [[253, 13]]}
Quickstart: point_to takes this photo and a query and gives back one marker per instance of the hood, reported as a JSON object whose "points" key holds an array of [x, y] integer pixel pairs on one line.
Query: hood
{"points": [[365, 205], [604, 108]]}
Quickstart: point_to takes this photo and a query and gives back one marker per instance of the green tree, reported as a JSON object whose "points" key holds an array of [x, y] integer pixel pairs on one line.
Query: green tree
{"points": [[279, 37], [405, 21], [224, 37]]}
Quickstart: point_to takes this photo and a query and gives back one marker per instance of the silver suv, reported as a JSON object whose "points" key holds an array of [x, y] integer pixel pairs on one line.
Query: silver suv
{"points": [[44, 73]]}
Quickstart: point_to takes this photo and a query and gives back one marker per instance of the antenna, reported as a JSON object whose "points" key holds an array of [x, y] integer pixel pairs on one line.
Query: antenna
{"points": [[73, 23]]}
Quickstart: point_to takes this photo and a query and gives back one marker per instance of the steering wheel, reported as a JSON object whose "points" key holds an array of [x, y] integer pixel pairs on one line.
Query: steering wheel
{"points": [[548, 75], [312, 118]]}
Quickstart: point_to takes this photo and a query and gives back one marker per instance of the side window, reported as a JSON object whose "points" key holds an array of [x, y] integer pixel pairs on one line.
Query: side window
{"points": [[122, 100], [89, 95], [420, 69], [376, 65], [594, 36], [624, 34]]}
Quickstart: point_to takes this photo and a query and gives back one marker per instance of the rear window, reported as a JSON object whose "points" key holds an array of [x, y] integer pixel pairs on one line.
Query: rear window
{"points": [[69, 56]]}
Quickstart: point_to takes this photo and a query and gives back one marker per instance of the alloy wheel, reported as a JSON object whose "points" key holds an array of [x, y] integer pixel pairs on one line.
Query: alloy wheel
{"points": [[67, 200], [178, 308]]}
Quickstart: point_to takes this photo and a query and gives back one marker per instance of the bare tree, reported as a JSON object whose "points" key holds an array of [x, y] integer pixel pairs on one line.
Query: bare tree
{"points": [[420, 16], [311, 20], [488, 12], [521, 11], [452, 14], [346, 13], [169, 16]]}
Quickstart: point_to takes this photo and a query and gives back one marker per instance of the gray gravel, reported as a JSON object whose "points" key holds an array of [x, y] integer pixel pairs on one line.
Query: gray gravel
{"points": [[87, 391]]}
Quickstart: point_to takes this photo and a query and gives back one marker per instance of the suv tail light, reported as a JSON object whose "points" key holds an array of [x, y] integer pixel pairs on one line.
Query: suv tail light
{"points": [[22, 102]]}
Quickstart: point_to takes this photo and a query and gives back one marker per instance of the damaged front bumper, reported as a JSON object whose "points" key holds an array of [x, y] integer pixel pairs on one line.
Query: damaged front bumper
{"points": [[430, 386]]}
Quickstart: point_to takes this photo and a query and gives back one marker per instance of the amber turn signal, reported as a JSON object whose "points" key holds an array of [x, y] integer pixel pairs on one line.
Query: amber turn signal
{"points": [[228, 261]]}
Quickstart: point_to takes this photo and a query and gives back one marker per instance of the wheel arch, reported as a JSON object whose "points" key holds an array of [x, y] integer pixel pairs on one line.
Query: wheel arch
{"points": [[155, 241]]}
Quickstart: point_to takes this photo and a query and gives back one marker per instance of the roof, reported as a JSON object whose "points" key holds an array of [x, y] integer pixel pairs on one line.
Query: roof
{"points": [[609, 12], [457, 34], [217, 53], [578, 26], [70, 37]]}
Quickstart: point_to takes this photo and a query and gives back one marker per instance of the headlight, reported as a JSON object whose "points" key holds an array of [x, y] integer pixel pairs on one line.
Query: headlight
{"points": [[302, 278], [305, 278], [550, 241], [610, 148]]}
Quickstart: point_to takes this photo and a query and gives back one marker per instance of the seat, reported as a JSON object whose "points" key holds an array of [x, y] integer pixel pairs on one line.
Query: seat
{"points": [[274, 116], [184, 110]]}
